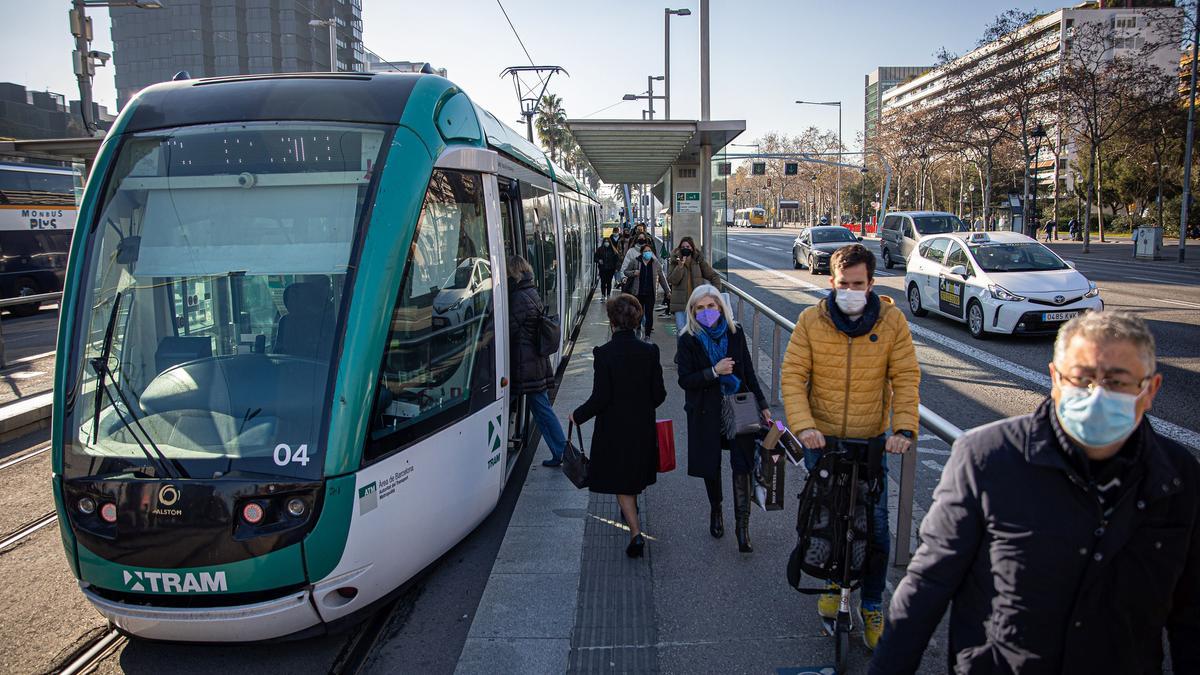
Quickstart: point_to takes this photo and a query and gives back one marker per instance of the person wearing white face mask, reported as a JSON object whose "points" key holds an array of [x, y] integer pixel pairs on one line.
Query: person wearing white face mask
{"points": [[850, 371], [1068, 540]]}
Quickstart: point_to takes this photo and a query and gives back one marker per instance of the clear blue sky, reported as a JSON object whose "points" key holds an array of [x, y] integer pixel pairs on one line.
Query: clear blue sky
{"points": [[765, 53]]}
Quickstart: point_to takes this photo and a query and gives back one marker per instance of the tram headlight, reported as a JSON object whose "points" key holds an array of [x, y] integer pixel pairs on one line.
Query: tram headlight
{"points": [[108, 513], [253, 513], [296, 507], [87, 506]]}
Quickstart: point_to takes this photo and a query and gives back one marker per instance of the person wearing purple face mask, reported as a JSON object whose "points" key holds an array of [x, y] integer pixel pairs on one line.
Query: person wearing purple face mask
{"points": [[713, 361]]}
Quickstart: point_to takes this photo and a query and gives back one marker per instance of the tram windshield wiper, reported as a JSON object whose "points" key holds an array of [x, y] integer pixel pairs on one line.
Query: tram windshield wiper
{"points": [[103, 373]]}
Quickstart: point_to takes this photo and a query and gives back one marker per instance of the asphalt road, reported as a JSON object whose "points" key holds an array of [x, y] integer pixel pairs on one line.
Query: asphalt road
{"points": [[972, 382], [1165, 294]]}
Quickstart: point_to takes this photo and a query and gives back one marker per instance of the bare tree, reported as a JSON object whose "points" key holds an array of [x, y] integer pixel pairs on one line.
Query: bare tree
{"points": [[1108, 77]]}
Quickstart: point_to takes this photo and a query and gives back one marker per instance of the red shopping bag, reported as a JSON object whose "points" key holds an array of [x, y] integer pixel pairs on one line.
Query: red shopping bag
{"points": [[665, 430]]}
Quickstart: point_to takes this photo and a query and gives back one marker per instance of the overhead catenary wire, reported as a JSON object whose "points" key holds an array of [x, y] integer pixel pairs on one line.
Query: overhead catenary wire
{"points": [[514, 30], [521, 42], [610, 107]]}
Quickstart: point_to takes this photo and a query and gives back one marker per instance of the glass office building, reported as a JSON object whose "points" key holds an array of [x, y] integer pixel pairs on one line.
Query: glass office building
{"points": [[209, 38], [877, 82]]}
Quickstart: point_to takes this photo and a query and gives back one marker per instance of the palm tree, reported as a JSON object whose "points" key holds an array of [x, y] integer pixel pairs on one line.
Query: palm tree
{"points": [[551, 125]]}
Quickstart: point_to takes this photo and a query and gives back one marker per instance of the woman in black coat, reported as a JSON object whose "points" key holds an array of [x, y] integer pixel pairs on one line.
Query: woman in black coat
{"points": [[533, 375], [607, 261], [628, 386], [713, 361]]}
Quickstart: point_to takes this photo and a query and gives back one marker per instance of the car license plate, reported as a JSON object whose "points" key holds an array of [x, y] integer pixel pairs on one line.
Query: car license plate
{"points": [[1059, 316]]}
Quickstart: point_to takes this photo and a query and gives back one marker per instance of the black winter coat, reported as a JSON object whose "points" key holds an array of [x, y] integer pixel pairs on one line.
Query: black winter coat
{"points": [[626, 388], [1040, 581], [607, 259], [702, 399], [531, 373]]}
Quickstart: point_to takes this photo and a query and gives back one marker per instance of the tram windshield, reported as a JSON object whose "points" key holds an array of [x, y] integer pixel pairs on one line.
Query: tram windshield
{"points": [[212, 290]]}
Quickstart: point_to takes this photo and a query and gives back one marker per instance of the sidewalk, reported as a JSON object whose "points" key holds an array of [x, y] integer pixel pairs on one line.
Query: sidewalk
{"points": [[563, 597]]}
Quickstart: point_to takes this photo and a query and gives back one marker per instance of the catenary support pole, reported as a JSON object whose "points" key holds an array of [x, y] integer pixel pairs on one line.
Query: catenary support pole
{"points": [[666, 63], [706, 215], [333, 64], [81, 29], [1187, 151]]}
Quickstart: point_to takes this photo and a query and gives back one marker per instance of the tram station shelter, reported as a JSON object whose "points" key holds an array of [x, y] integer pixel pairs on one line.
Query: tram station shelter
{"points": [[667, 154]]}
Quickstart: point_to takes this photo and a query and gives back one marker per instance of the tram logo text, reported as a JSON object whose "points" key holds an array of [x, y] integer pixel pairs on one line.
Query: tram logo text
{"points": [[170, 582], [167, 496]]}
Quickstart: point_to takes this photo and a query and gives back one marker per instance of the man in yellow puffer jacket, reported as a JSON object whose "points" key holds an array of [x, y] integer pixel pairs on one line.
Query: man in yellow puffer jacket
{"points": [[849, 367]]}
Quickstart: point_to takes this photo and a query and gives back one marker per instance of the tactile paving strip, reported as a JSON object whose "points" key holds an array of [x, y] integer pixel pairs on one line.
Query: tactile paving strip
{"points": [[615, 622]]}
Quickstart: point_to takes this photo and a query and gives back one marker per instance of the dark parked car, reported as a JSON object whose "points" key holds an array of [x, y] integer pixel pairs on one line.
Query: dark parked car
{"points": [[814, 245]]}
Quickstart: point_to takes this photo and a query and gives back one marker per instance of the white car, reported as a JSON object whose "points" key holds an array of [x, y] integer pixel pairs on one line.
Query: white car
{"points": [[996, 282]]}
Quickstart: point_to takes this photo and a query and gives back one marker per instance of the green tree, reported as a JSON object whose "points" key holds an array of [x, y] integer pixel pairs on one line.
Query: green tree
{"points": [[551, 125]]}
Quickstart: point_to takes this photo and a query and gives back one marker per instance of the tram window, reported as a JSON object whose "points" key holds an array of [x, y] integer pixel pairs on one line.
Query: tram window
{"points": [[541, 248], [439, 361], [224, 289]]}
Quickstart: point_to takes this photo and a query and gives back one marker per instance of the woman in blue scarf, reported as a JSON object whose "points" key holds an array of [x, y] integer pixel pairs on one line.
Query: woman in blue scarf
{"points": [[713, 362]]}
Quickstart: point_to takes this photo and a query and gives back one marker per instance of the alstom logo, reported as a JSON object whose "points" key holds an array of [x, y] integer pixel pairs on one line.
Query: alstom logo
{"points": [[170, 582]]}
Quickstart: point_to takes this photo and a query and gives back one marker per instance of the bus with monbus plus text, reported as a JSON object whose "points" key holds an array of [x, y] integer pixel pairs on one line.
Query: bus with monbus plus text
{"points": [[37, 217]]}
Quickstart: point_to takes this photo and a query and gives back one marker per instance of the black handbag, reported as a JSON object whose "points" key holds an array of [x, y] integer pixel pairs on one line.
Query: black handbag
{"points": [[549, 334], [739, 415], [575, 463]]}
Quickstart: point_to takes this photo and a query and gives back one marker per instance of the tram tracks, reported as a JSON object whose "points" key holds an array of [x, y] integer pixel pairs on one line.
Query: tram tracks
{"points": [[10, 539], [22, 457], [91, 653]]}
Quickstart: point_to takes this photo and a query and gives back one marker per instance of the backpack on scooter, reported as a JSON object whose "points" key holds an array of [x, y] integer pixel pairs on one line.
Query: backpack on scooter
{"points": [[849, 472]]}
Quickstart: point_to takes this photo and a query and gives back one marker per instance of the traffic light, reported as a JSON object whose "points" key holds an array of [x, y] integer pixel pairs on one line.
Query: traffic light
{"points": [[723, 168], [759, 169], [791, 169]]}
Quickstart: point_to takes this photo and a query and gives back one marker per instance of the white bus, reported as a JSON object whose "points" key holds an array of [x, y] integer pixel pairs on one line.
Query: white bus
{"points": [[37, 216], [751, 217]]}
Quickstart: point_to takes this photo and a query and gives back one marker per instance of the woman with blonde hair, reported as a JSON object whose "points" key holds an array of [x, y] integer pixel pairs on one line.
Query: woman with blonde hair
{"points": [[532, 373], [713, 361]]}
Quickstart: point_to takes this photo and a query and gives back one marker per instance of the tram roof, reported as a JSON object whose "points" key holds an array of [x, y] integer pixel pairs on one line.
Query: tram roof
{"points": [[377, 98], [642, 151], [335, 97]]}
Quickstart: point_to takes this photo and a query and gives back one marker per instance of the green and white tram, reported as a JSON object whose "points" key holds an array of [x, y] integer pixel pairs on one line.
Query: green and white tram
{"points": [[282, 388]]}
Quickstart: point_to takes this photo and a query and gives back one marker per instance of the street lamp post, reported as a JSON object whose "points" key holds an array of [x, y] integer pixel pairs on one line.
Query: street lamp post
{"points": [[332, 40], [667, 14], [840, 149], [1037, 135], [649, 95], [84, 58]]}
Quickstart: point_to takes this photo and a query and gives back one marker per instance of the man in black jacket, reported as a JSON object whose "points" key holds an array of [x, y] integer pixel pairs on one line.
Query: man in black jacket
{"points": [[1067, 540]]}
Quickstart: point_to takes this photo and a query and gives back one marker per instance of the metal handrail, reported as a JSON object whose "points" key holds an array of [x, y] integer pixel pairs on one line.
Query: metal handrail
{"points": [[26, 299], [931, 421]]}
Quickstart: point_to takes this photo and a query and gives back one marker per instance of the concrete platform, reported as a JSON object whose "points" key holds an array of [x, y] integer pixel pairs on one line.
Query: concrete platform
{"points": [[563, 597]]}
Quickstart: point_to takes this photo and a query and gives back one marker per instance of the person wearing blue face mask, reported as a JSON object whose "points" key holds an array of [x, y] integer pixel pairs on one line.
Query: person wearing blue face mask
{"points": [[1067, 540], [642, 273], [713, 361]]}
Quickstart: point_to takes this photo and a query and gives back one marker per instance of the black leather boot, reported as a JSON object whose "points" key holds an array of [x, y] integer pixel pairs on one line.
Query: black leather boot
{"points": [[716, 522], [741, 511]]}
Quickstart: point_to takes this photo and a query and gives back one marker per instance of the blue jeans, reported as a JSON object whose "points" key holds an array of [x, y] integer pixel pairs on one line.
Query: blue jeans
{"points": [[872, 584], [680, 322], [547, 422]]}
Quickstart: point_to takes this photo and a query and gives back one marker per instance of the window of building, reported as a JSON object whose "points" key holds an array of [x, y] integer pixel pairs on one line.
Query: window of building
{"points": [[1125, 22], [439, 362]]}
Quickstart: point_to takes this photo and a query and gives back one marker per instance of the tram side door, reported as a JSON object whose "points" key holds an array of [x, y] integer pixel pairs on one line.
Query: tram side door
{"points": [[513, 236]]}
